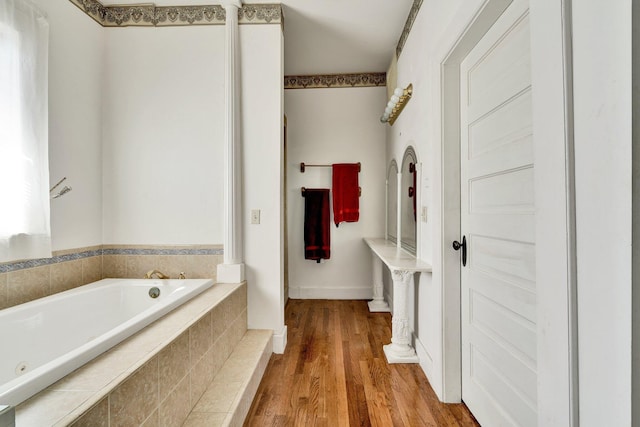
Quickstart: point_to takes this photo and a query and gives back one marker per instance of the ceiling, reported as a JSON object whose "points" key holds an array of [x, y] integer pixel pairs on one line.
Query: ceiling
{"points": [[331, 36]]}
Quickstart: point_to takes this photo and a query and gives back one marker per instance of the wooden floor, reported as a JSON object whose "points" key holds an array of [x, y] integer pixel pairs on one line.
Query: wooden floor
{"points": [[334, 373]]}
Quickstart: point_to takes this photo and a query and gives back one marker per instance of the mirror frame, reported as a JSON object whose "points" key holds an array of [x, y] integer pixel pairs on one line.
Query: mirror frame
{"points": [[409, 155], [392, 168]]}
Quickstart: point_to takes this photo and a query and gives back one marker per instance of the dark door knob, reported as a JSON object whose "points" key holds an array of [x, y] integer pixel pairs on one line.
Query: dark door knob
{"points": [[457, 245]]}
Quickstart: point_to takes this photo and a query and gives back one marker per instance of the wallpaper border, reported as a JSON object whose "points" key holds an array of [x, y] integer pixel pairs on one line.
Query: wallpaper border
{"points": [[413, 13], [150, 15], [335, 80]]}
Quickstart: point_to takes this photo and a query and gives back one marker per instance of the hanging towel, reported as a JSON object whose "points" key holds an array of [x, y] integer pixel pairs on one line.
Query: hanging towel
{"points": [[317, 242], [346, 193]]}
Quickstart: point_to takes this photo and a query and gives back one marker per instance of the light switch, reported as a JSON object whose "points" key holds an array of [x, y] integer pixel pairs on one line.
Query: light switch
{"points": [[255, 216]]}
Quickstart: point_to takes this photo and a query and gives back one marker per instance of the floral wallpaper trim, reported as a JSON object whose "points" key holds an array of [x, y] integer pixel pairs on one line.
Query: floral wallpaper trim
{"points": [[415, 8], [83, 253], [335, 80], [150, 15]]}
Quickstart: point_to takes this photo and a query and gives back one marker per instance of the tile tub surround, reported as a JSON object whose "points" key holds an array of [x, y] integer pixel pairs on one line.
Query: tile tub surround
{"points": [[24, 281], [168, 364]]}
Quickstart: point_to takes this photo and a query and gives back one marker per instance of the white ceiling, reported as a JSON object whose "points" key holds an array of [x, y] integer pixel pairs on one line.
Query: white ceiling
{"points": [[332, 36]]}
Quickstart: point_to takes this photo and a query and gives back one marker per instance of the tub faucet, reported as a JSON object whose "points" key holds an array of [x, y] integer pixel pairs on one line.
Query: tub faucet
{"points": [[158, 274]]}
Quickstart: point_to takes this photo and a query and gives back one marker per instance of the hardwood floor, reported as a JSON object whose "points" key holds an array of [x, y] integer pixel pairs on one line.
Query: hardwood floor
{"points": [[334, 373]]}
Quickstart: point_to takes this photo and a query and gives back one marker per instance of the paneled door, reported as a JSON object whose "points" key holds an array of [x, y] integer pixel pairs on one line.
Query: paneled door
{"points": [[498, 220]]}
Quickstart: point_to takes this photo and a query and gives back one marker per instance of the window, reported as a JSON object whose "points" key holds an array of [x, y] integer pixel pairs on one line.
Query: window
{"points": [[24, 169]]}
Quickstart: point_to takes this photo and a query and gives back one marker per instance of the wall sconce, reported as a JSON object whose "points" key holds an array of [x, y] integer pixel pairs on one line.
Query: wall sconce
{"points": [[396, 104]]}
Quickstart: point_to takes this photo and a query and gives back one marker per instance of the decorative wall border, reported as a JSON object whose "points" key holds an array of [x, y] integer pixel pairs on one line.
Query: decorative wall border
{"points": [[150, 15], [415, 8], [121, 250], [335, 80]]}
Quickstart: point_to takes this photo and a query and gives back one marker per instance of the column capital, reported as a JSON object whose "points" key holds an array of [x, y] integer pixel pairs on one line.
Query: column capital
{"points": [[231, 3]]}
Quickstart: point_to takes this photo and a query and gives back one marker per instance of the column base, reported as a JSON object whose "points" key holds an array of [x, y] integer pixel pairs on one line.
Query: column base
{"points": [[400, 353], [379, 306], [230, 273]]}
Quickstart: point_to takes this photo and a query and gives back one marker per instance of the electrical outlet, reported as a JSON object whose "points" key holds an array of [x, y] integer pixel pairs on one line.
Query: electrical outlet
{"points": [[255, 216]]}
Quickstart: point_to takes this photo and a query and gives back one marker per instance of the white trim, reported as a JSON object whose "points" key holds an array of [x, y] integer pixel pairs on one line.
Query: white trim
{"points": [[280, 340], [424, 357], [330, 293]]}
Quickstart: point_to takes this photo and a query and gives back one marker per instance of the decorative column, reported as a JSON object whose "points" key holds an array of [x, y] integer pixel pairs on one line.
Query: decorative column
{"points": [[232, 270], [378, 304], [400, 349]]}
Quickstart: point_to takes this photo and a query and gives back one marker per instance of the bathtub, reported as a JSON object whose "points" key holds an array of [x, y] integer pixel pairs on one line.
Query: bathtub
{"points": [[46, 339]]}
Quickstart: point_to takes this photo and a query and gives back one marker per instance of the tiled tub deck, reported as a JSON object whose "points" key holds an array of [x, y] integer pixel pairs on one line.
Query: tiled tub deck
{"points": [[157, 376]]}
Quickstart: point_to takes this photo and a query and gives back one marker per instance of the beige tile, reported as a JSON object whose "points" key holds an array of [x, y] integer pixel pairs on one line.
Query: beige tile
{"points": [[49, 406], [205, 419], [173, 364], [114, 266], [218, 397], [91, 269], [175, 408], [152, 421], [66, 275], [27, 285], [3, 291], [173, 265], [201, 375], [200, 338], [98, 416], [138, 265], [217, 322], [133, 401], [99, 372], [201, 266]]}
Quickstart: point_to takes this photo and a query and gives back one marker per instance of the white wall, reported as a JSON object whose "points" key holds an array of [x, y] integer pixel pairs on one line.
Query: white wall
{"points": [[602, 42], [163, 135], [261, 60], [76, 47], [325, 126], [603, 152]]}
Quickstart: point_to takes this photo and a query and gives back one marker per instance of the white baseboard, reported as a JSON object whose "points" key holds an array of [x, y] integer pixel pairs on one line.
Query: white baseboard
{"points": [[330, 293], [280, 341], [425, 359]]}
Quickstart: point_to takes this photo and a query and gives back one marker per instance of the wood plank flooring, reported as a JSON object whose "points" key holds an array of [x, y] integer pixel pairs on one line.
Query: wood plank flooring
{"points": [[334, 373]]}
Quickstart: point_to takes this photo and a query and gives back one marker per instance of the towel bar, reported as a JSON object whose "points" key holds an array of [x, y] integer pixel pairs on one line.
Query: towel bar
{"points": [[303, 166], [303, 190]]}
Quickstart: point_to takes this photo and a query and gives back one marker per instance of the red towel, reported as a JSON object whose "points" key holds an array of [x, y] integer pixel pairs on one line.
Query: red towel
{"points": [[317, 236], [346, 193]]}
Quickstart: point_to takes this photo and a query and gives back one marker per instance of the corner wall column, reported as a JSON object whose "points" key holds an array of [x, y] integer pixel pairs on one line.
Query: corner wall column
{"points": [[232, 269]]}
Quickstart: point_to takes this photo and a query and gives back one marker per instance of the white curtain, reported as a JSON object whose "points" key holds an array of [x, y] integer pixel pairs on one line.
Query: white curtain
{"points": [[25, 231]]}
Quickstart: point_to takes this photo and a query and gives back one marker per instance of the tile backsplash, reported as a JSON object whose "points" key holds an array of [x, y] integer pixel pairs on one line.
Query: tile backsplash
{"points": [[25, 281]]}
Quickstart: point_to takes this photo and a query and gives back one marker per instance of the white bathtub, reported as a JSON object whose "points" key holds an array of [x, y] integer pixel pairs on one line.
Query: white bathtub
{"points": [[44, 340]]}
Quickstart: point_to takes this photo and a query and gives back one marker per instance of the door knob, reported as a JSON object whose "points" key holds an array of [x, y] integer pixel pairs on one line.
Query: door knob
{"points": [[457, 245]]}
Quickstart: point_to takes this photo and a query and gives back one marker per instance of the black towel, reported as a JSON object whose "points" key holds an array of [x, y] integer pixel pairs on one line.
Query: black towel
{"points": [[317, 244]]}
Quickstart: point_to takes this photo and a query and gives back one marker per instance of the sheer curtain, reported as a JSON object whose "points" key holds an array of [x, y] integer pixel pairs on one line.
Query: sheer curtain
{"points": [[25, 230]]}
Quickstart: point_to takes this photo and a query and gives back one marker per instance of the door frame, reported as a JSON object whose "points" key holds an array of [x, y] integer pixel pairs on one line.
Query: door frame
{"points": [[555, 212]]}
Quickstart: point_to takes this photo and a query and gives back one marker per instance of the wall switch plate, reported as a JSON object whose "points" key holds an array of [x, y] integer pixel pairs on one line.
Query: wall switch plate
{"points": [[255, 216]]}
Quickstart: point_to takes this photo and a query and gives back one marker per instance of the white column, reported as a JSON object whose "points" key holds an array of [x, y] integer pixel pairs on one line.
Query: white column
{"points": [[232, 270], [378, 304], [400, 349]]}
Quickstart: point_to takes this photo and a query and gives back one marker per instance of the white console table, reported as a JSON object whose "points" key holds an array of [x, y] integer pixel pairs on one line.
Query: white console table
{"points": [[402, 265]]}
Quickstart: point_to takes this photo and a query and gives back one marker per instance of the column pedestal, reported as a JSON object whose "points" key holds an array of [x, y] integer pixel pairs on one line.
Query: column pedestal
{"points": [[378, 305], [232, 269], [400, 349]]}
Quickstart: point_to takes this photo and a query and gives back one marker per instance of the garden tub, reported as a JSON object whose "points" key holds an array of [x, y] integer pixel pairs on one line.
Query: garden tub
{"points": [[46, 339]]}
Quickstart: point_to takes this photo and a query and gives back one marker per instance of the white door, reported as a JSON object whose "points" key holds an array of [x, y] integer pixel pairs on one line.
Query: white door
{"points": [[497, 217]]}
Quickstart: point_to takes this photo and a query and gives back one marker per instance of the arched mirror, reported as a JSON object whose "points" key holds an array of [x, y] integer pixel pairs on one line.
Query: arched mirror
{"points": [[408, 190], [392, 202]]}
